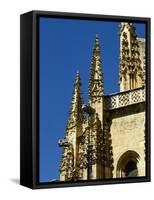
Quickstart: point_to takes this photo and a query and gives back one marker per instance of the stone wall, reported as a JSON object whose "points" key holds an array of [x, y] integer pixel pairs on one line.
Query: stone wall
{"points": [[128, 134]]}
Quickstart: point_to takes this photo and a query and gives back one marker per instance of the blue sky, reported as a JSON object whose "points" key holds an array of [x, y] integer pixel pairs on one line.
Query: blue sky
{"points": [[65, 47]]}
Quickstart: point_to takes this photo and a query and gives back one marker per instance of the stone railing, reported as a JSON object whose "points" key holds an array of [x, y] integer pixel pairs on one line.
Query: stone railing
{"points": [[124, 98]]}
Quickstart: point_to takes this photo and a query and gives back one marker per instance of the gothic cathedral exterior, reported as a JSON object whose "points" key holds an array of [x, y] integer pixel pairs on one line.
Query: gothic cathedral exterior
{"points": [[105, 138]]}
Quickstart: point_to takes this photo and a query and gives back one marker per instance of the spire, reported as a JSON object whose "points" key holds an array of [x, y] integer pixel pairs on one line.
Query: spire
{"points": [[130, 62], [96, 78], [73, 131], [76, 113]]}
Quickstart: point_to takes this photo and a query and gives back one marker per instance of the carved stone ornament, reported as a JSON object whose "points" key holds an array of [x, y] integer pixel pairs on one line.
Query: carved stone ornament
{"points": [[67, 160]]}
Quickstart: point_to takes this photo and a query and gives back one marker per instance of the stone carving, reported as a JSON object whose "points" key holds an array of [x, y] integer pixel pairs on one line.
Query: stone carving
{"points": [[91, 143], [87, 146], [83, 153], [67, 160], [125, 98], [76, 112], [144, 71], [107, 145], [96, 78], [130, 68], [75, 120]]}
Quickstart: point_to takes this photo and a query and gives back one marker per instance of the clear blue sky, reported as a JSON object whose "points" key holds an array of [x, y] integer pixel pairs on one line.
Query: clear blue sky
{"points": [[65, 47]]}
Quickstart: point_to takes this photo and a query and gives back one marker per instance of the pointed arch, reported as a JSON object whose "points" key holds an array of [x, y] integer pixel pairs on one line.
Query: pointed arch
{"points": [[128, 164]]}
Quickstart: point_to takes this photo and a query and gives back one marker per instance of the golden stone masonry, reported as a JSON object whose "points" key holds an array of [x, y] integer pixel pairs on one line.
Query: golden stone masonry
{"points": [[105, 138]]}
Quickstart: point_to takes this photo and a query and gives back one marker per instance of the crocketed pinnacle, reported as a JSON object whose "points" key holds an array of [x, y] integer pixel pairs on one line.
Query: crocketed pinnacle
{"points": [[130, 60], [76, 112], [129, 26], [96, 77]]}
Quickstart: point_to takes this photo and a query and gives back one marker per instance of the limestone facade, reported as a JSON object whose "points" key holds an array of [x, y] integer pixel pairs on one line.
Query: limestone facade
{"points": [[105, 138]]}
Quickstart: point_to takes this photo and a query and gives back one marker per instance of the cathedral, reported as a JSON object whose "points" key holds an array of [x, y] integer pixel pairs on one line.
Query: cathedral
{"points": [[105, 138]]}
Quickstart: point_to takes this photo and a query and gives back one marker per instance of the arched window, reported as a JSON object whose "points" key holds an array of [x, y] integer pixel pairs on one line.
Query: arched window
{"points": [[127, 165]]}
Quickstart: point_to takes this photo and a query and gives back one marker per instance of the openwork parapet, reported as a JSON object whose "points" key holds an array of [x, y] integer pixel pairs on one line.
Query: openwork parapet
{"points": [[124, 98]]}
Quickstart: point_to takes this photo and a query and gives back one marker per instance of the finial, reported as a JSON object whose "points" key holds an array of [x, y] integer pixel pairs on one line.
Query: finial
{"points": [[96, 48], [78, 73], [77, 79], [97, 37]]}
